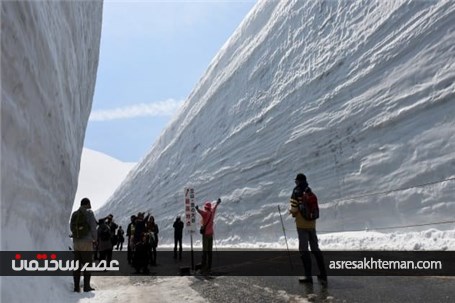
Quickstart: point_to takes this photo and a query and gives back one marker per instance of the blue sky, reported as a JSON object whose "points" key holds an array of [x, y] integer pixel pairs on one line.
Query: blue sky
{"points": [[152, 55]]}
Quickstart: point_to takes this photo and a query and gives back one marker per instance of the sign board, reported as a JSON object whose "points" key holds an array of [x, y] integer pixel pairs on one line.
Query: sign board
{"points": [[190, 209]]}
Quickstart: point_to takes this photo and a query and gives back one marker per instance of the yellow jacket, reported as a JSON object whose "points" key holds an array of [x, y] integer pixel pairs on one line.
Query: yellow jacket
{"points": [[300, 221]]}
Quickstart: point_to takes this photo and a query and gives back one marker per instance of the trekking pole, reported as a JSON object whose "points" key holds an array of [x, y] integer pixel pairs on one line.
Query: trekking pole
{"points": [[285, 238], [216, 251], [192, 253]]}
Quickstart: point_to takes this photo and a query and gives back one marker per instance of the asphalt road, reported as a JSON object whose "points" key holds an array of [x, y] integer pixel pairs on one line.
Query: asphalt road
{"points": [[340, 289], [231, 288]]}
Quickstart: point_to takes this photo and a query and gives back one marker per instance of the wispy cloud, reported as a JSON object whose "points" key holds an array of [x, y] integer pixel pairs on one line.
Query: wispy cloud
{"points": [[161, 108]]}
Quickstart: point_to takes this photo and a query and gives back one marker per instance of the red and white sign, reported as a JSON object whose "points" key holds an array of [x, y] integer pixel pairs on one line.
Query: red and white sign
{"points": [[190, 209]]}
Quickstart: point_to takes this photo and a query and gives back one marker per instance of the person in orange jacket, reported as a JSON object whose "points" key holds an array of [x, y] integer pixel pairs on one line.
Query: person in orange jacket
{"points": [[208, 215]]}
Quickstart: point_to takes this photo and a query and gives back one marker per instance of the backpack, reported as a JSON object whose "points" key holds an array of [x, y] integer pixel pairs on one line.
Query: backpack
{"points": [[79, 225], [309, 205], [105, 234], [151, 238]]}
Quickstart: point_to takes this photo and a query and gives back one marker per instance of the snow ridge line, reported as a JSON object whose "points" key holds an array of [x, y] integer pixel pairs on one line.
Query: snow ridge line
{"points": [[387, 227], [338, 200]]}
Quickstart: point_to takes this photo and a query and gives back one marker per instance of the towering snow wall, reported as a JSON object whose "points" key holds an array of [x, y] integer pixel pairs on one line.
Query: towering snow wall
{"points": [[49, 60], [358, 95]]}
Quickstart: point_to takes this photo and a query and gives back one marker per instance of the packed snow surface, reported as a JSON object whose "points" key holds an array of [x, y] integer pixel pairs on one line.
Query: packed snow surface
{"points": [[359, 96], [49, 59]]}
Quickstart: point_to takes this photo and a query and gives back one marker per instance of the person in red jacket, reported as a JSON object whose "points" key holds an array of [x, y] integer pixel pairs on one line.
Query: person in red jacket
{"points": [[208, 215]]}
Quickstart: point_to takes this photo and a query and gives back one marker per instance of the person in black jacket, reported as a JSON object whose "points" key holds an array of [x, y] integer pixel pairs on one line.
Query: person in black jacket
{"points": [[152, 233], [178, 233], [139, 228], [83, 244], [113, 226], [104, 241], [141, 255], [120, 238], [130, 234]]}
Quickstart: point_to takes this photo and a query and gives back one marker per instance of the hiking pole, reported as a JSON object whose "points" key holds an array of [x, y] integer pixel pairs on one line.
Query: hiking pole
{"points": [[192, 253], [285, 238], [216, 251]]}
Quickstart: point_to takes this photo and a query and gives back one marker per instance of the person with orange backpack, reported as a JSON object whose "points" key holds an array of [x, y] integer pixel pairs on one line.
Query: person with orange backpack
{"points": [[304, 208]]}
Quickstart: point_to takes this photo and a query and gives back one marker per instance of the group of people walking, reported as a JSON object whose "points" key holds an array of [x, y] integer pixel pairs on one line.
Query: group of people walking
{"points": [[142, 237], [109, 235], [93, 239]]}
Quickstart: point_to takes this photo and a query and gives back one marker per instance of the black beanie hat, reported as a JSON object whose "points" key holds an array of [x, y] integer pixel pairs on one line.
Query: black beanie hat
{"points": [[85, 201], [300, 177]]}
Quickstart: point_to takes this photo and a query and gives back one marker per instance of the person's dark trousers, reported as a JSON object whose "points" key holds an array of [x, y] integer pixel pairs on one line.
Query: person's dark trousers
{"points": [[178, 241], [114, 241], [153, 255], [141, 257], [119, 244], [84, 254], [207, 247], [106, 255], [309, 237], [129, 254]]}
